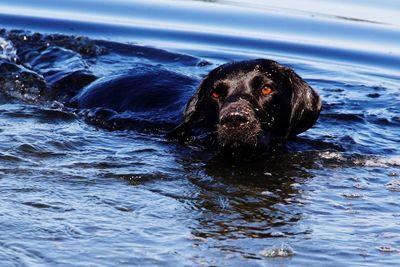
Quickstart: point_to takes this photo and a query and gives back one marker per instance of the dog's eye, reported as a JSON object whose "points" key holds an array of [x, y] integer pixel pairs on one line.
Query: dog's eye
{"points": [[266, 90], [219, 91], [215, 94]]}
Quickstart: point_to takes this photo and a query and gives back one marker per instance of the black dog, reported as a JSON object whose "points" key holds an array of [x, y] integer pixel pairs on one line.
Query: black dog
{"points": [[242, 106], [250, 105]]}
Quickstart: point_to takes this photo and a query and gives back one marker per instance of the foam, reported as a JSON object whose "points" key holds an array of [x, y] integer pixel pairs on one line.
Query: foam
{"points": [[332, 155], [7, 50], [381, 162]]}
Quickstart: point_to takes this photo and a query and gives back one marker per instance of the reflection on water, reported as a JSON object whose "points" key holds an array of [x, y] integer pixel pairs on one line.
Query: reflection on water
{"points": [[73, 194], [252, 199], [199, 28]]}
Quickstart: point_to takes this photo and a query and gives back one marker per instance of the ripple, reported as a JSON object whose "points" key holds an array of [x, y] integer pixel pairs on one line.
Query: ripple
{"points": [[374, 95], [9, 157], [52, 207], [26, 42], [352, 195], [54, 115], [344, 117], [37, 205], [396, 119], [138, 194], [386, 249], [393, 185], [38, 151]]}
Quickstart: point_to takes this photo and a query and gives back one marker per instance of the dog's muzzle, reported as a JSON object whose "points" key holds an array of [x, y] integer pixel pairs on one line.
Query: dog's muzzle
{"points": [[238, 126]]}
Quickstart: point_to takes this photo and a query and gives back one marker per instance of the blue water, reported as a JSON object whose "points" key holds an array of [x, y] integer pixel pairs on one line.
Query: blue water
{"points": [[73, 194]]}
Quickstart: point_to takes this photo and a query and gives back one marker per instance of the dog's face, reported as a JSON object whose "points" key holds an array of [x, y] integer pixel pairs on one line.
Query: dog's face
{"points": [[246, 105], [251, 105]]}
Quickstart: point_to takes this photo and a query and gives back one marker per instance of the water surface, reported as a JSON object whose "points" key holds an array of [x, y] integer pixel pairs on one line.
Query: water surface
{"points": [[73, 194]]}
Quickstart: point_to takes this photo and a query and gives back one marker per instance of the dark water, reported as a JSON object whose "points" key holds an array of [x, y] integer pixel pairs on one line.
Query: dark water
{"points": [[73, 194]]}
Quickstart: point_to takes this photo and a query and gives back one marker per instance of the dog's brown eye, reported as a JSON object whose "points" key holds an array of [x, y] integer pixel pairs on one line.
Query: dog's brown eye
{"points": [[266, 90], [219, 91], [215, 95]]}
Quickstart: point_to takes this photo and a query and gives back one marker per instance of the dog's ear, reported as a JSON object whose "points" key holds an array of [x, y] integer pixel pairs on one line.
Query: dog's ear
{"points": [[305, 104], [193, 113]]}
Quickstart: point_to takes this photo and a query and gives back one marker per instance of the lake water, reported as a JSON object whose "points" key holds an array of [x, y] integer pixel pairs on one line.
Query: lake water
{"points": [[73, 194]]}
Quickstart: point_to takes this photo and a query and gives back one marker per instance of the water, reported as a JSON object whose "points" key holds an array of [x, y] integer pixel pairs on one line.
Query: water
{"points": [[73, 194]]}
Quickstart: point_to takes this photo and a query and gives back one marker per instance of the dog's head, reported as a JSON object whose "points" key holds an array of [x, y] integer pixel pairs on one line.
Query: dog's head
{"points": [[250, 105]]}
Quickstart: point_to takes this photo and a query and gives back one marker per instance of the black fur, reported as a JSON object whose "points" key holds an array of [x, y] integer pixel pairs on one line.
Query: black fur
{"points": [[244, 119], [241, 119]]}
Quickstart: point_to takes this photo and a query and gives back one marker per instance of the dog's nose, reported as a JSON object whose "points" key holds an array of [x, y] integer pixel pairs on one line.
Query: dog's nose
{"points": [[234, 119]]}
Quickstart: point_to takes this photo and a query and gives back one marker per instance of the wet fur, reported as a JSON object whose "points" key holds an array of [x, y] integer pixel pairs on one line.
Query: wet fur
{"points": [[292, 109], [242, 120]]}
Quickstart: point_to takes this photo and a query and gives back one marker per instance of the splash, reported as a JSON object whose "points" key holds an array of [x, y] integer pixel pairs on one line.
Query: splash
{"points": [[283, 250], [7, 50], [380, 162]]}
